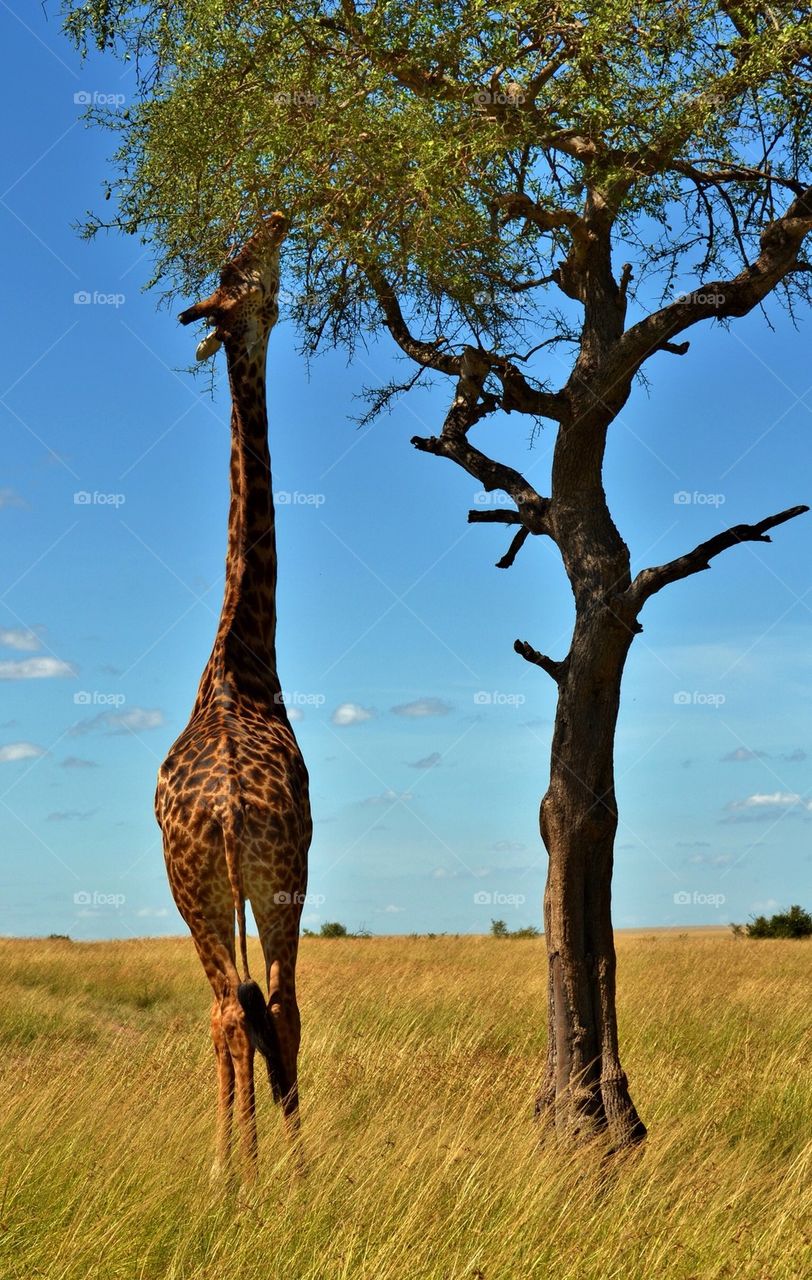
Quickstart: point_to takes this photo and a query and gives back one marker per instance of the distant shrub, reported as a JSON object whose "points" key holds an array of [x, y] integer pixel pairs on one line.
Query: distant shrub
{"points": [[334, 929], [500, 930], [59, 937], [795, 923]]}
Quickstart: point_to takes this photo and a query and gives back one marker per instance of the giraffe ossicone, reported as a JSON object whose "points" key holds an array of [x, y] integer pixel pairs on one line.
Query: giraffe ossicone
{"points": [[232, 798]]}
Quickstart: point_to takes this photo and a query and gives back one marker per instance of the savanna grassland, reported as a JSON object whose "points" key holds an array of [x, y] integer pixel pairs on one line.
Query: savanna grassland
{"points": [[419, 1062]]}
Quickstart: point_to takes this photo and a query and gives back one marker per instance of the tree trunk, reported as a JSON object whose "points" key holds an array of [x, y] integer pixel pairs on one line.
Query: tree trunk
{"points": [[584, 1091]]}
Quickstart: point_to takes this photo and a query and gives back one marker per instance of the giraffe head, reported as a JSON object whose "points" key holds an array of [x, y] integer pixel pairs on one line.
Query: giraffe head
{"points": [[244, 308]]}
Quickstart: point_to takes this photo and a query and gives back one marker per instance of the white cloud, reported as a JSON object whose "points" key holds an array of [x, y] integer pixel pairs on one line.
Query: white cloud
{"points": [[35, 669], [137, 718], [743, 753], [10, 498], [20, 751], [761, 907], [391, 909], [761, 806], [423, 707], [770, 800], [78, 762], [295, 713], [19, 638], [153, 913], [428, 762], [705, 859], [387, 797], [350, 713], [134, 720]]}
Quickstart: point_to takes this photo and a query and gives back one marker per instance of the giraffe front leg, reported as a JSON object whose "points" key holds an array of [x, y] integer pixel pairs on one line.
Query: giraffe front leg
{"points": [[225, 1096]]}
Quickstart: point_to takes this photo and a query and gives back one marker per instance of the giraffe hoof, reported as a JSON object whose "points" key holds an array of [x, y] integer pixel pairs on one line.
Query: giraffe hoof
{"points": [[220, 1174]]}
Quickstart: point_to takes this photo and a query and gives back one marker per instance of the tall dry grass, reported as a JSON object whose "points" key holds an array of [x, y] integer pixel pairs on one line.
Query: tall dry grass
{"points": [[420, 1059]]}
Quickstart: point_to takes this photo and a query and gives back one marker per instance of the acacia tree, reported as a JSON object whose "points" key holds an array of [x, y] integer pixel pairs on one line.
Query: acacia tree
{"points": [[508, 191]]}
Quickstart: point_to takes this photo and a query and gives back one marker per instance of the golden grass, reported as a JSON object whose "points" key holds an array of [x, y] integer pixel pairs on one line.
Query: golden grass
{"points": [[420, 1059]]}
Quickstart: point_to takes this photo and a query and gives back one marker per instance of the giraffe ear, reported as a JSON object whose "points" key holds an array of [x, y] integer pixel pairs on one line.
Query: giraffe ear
{"points": [[208, 346], [199, 311]]}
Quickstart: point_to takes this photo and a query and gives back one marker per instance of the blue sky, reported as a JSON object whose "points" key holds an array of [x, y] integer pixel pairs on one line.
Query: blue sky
{"points": [[427, 738]]}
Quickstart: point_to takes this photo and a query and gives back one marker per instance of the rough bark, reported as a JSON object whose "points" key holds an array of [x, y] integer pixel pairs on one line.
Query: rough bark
{"points": [[584, 1089]]}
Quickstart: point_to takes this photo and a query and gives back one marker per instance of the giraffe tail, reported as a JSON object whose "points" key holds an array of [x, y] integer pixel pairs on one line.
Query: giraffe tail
{"points": [[264, 1037]]}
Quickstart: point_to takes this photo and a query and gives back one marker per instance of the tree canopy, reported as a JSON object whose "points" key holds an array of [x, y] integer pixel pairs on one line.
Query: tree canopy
{"points": [[443, 159]]}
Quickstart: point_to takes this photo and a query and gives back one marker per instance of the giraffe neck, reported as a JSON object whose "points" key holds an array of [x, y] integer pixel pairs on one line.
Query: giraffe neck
{"points": [[242, 666]]}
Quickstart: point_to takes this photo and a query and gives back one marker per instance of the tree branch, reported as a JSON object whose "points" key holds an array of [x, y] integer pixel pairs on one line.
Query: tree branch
{"points": [[649, 581], [781, 243], [501, 516], [425, 353], [556, 670], [470, 404], [518, 205], [513, 550]]}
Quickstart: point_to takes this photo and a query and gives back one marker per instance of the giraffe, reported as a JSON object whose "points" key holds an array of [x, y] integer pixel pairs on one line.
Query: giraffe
{"points": [[232, 797]]}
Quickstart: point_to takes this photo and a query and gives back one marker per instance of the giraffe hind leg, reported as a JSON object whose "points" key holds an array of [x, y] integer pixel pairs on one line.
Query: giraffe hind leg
{"points": [[214, 940]]}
